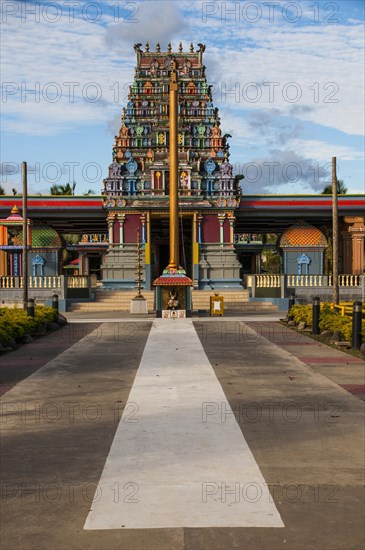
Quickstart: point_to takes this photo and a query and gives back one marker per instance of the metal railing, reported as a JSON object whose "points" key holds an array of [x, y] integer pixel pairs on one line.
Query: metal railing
{"points": [[346, 308]]}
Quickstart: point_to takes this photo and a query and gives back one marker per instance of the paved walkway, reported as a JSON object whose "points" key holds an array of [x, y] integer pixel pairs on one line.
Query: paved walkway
{"points": [[340, 367], [275, 447], [186, 471]]}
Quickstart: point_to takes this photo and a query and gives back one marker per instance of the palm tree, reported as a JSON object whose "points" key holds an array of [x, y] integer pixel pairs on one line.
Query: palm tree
{"points": [[90, 192], [69, 239], [2, 190], [341, 188], [67, 189]]}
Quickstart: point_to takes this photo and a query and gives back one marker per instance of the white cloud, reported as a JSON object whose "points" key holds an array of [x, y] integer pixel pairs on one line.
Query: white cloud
{"points": [[322, 151], [157, 21], [283, 171]]}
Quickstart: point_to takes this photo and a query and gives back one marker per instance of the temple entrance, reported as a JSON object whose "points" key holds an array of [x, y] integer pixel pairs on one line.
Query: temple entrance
{"points": [[160, 245], [95, 261]]}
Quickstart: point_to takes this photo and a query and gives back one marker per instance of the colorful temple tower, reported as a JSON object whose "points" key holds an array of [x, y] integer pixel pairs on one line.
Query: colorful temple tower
{"points": [[136, 191]]}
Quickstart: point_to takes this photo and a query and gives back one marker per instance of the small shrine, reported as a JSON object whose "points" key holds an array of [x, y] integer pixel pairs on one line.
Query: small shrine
{"points": [[44, 247], [303, 248], [173, 294]]}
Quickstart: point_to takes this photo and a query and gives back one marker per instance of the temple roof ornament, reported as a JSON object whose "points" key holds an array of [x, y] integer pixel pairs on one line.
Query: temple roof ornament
{"points": [[131, 166], [210, 166]]}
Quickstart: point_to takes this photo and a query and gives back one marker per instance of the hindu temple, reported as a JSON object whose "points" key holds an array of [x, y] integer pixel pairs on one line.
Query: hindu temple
{"points": [[136, 191]]}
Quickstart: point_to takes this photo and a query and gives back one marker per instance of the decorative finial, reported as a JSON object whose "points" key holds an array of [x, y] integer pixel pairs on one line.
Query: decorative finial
{"points": [[191, 47], [158, 47], [137, 47], [169, 47], [180, 47], [15, 209], [147, 47]]}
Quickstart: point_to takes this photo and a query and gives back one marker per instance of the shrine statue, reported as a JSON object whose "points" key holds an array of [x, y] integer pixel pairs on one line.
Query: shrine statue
{"points": [[184, 180], [114, 169], [173, 302], [226, 169], [216, 131]]}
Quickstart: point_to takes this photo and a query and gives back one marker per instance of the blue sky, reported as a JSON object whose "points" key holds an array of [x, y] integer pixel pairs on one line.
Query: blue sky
{"points": [[288, 78]]}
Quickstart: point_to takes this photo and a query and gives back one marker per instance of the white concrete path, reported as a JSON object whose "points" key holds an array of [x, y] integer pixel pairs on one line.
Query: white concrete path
{"points": [[172, 464]]}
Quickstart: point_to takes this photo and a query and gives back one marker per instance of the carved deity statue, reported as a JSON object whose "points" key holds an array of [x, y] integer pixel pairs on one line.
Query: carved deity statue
{"points": [[114, 169], [226, 169], [173, 302]]}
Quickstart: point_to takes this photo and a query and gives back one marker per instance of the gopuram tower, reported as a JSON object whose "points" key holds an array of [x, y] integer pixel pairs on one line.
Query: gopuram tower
{"points": [[136, 191]]}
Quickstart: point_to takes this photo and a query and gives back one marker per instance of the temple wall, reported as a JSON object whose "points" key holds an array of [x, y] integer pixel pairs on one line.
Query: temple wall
{"points": [[210, 229], [131, 225]]}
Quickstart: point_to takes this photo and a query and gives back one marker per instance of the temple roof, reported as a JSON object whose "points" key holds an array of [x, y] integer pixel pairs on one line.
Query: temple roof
{"points": [[171, 279], [44, 237], [303, 235]]}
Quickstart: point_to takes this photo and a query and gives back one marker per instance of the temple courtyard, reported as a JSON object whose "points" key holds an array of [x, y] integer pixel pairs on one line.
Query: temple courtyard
{"points": [[202, 433]]}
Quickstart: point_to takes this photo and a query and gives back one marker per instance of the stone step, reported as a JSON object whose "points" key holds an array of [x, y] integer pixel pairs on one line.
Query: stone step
{"points": [[242, 307], [195, 300], [120, 300]]}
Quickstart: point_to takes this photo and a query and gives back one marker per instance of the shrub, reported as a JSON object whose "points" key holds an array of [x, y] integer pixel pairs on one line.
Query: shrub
{"points": [[334, 321], [329, 320], [15, 323], [301, 313]]}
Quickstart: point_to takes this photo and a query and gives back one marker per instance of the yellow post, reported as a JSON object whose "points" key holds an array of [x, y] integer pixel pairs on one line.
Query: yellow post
{"points": [[174, 214]]}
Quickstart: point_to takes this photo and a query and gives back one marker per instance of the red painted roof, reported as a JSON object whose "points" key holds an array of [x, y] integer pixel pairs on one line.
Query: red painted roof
{"points": [[303, 236], [180, 280], [313, 202], [57, 202]]}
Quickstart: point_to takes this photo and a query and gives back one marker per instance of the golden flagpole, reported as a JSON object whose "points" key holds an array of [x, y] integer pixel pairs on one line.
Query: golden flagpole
{"points": [[174, 171]]}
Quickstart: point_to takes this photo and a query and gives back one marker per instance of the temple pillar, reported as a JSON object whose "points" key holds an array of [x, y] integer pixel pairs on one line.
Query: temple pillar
{"points": [[357, 233], [358, 241], [86, 265], [121, 220], [346, 252], [146, 241], [81, 263], [231, 220], [110, 232], [195, 239], [3, 254], [143, 224], [200, 219], [221, 218]]}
